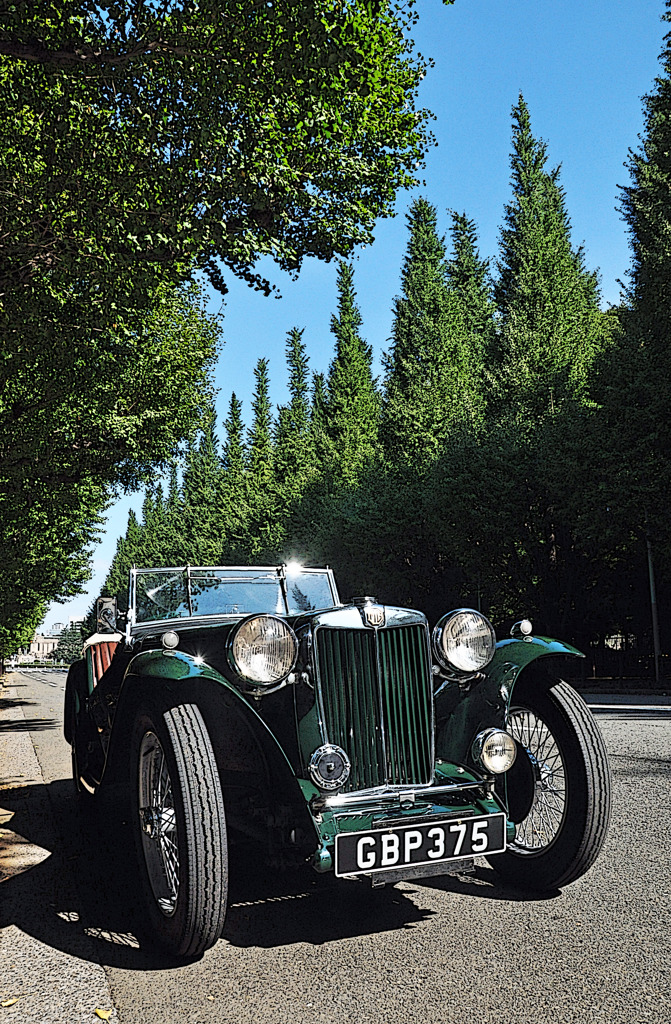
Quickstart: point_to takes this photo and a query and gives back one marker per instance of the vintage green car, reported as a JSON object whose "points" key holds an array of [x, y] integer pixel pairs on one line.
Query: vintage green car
{"points": [[251, 704]]}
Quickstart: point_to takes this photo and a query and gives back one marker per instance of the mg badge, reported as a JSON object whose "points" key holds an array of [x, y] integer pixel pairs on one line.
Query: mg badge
{"points": [[374, 615]]}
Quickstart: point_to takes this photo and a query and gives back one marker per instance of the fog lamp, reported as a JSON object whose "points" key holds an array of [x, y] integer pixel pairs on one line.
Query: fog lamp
{"points": [[494, 750]]}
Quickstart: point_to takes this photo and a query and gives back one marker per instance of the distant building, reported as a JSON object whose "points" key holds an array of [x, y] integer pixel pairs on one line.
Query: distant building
{"points": [[42, 646], [55, 630]]}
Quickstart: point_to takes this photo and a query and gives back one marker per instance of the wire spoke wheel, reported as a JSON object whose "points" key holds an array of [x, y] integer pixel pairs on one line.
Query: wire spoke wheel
{"points": [[158, 823], [179, 828], [548, 809], [557, 791]]}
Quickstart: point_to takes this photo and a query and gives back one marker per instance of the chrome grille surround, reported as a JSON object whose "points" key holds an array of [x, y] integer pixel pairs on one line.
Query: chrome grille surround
{"points": [[374, 692]]}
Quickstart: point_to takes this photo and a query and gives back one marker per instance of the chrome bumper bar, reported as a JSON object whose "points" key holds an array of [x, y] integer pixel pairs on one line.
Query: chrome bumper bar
{"points": [[384, 797]]}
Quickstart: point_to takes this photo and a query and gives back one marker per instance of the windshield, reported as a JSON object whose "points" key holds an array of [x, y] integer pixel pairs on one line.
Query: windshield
{"points": [[179, 593]]}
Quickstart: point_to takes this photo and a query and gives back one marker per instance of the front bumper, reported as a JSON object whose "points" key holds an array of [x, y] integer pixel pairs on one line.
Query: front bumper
{"points": [[457, 796]]}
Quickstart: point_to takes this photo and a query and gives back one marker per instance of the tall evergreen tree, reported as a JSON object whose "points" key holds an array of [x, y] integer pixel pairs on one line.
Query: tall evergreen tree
{"points": [[234, 490], [173, 542], [234, 445], [430, 379], [259, 437], [318, 408], [202, 497], [293, 443], [635, 385], [469, 280], [260, 490], [127, 554], [548, 302], [351, 402]]}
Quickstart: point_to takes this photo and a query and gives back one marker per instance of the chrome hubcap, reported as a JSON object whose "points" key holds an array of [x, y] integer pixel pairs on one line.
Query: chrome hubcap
{"points": [[543, 822], [158, 823]]}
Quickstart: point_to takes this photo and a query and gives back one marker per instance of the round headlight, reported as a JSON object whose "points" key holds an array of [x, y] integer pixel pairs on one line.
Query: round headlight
{"points": [[494, 750], [263, 650], [464, 641]]}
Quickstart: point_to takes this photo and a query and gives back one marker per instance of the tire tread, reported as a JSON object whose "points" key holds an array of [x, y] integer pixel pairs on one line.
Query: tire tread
{"points": [[202, 800]]}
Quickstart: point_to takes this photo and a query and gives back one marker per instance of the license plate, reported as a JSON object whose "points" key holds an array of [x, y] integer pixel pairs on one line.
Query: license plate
{"points": [[431, 842]]}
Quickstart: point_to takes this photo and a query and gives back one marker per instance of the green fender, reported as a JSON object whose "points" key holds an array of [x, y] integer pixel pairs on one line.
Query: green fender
{"points": [[464, 709], [513, 655], [178, 667], [231, 719]]}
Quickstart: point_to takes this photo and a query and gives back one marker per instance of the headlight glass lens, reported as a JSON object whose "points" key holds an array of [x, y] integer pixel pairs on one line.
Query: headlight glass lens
{"points": [[263, 650], [464, 640], [495, 750]]}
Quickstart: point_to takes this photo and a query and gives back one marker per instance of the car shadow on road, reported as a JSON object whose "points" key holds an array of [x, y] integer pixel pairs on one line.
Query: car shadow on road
{"points": [[268, 909], [484, 883], [79, 898], [82, 898]]}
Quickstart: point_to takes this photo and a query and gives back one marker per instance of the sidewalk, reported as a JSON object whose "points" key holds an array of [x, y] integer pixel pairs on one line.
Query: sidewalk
{"points": [[49, 984]]}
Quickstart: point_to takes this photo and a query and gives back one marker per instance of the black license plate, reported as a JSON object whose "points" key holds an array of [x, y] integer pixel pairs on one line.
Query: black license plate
{"points": [[431, 842]]}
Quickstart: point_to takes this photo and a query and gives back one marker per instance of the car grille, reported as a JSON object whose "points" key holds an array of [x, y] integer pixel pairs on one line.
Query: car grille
{"points": [[376, 694]]}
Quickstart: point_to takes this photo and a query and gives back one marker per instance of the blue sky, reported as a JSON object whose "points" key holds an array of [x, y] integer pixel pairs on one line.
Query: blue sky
{"points": [[582, 66]]}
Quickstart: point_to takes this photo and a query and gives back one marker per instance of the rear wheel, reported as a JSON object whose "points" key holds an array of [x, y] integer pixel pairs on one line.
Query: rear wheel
{"points": [[180, 829], [77, 729], [558, 791]]}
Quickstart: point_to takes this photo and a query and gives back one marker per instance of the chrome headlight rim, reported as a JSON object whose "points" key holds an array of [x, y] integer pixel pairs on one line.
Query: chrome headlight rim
{"points": [[261, 685], [438, 635], [478, 750]]}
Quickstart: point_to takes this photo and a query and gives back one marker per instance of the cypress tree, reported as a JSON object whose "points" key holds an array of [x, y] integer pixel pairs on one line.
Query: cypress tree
{"points": [[127, 554], [430, 376], [548, 302], [351, 403], [173, 543], [234, 490], [260, 489], [318, 409], [202, 497], [259, 437], [469, 280], [234, 447], [635, 386], [293, 447]]}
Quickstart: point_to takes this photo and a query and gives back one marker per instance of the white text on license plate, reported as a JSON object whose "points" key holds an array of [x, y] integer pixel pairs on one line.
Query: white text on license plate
{"points": [[426, 843]]}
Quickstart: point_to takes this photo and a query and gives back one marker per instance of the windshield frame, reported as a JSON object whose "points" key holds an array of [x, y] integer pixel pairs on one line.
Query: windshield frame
{"points": [[248, 573]]}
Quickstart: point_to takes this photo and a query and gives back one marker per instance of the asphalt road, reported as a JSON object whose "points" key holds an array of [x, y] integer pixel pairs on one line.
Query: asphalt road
{"points": [[308, 949]]}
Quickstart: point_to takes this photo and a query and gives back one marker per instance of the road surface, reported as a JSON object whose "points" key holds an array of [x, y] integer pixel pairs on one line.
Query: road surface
{"points": [[304, 948]]}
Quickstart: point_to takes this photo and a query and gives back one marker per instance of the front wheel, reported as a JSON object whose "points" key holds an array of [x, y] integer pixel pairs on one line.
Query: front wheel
{"points": [[558, 790], [180, 829]]}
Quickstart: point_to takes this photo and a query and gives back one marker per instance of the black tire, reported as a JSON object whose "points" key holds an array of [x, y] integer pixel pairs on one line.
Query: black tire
{"points": [[75, 688], [558, 790], [76, 729], [180, 837]]}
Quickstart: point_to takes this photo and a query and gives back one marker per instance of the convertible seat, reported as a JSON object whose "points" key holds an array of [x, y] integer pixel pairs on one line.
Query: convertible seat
{"points": [[102, 647]]}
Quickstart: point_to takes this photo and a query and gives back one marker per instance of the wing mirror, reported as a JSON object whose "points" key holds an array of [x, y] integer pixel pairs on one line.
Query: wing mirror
{"points": [[106, 615]]}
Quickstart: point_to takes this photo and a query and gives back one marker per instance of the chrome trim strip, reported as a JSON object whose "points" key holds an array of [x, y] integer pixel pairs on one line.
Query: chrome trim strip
{"points": [[401, 793]]}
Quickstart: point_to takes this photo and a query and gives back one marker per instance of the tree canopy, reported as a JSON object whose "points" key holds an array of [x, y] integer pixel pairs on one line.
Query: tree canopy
{"points": [[152, 135], [140, 145]]}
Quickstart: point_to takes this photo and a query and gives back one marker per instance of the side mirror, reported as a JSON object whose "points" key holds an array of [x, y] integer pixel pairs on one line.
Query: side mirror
{"points": [[106, 615]]}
